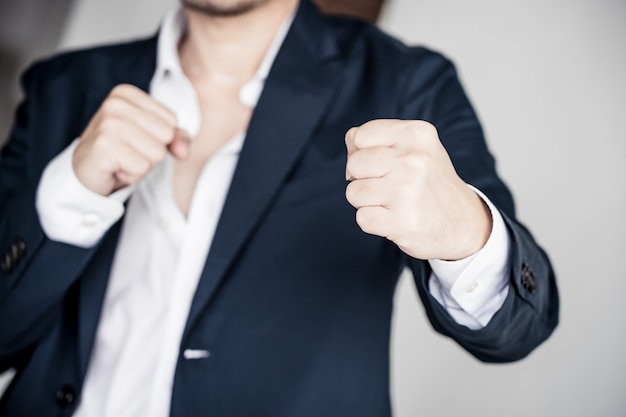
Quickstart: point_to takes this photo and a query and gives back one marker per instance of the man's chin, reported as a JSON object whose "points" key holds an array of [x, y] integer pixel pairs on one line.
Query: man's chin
{"points": [[222, 8]]}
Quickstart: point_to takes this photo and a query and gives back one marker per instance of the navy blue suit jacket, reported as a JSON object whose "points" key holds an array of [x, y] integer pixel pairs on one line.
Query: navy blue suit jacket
{"points": [[295, 301]]}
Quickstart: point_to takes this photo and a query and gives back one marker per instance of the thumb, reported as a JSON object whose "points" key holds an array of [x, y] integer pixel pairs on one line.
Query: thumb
{"points": [[179, 146]]}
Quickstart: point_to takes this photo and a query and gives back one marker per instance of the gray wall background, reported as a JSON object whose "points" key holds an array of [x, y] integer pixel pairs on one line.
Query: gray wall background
{"points": [[548, 79]]}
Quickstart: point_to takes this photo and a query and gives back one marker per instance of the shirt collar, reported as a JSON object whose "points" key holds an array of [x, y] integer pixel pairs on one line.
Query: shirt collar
{"points": [[172, 30], [174, 26]]}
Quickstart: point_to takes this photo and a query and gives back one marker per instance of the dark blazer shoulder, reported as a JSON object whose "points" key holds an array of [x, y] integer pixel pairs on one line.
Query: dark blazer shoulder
{"points": [[404, 72], [357, 36], [86, 63]]}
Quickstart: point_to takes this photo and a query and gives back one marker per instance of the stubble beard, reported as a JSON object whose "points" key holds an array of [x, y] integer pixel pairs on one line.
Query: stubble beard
{"points": [[222, 8]]}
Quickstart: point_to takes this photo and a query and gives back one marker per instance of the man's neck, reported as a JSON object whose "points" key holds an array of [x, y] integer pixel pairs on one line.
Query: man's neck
{"points": [[228, 50]]}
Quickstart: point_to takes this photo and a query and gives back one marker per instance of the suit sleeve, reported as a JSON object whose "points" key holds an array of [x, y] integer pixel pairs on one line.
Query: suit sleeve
{"points": [[35, 272], [530, 311]]}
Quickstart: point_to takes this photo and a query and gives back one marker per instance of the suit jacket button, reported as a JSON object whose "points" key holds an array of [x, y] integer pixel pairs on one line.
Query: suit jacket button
{"points": [[65, 396], [12, 255], [528, 278], [7, 263], [18, 248]]}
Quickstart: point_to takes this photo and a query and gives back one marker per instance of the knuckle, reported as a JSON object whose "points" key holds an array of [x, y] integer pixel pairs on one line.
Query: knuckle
{"points": [[376, 123], [380, 153], [100, 143], [117, 90], [359, 138], [421, 129], [416, 162], [113, 105], [349, 136], [366, 220], [352, 191], [107, 124], [135, 167], [158, 155], [122, 90], [128, 177], [171, 118], [166, 135], [142, 166], [363, 218], [352, 166]]}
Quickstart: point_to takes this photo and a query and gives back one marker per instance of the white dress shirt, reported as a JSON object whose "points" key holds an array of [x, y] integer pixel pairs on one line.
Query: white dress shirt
{"points": [[160, 254]]}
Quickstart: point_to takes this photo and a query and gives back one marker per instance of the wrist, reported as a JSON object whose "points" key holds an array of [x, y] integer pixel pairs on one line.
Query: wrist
{"points": [[475, 230]]}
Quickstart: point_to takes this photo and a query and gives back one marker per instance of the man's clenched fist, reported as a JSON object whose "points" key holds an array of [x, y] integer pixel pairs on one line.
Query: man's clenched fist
{"points": [[129, 134], [405, 188]]}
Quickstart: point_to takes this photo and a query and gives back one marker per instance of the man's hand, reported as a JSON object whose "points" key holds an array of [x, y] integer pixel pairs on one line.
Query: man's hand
{"points": [[129, 134], [405, 188]]}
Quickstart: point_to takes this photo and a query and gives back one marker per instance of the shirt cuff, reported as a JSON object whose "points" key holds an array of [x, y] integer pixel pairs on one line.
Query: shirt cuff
{"points": [[71, 213], [473, 289]]}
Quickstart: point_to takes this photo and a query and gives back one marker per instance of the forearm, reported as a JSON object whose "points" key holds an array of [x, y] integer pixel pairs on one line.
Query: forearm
{"points": [[526, 318], [69, 212]]}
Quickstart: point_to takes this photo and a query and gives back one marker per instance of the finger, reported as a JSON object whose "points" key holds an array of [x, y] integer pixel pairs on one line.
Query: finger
{"points": [[369, 193], [129, 165], [379, 132], [349, 138], [375, 220], [179, 146], [394, 133], [372, 162], [141, 142], [119, 109], [143, 100], [155, 126]]}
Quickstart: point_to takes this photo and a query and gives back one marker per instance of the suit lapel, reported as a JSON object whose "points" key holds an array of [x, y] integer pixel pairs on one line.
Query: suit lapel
{"points": [[297, 91], [136, 67], [92, 289]]}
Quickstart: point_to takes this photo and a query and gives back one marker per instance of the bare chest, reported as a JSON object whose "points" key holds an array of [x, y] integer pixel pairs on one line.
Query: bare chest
{"points": [[223, 117]]}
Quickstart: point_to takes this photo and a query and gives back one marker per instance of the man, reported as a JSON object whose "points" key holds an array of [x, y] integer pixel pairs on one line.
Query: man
{"points": [[193, 252]]}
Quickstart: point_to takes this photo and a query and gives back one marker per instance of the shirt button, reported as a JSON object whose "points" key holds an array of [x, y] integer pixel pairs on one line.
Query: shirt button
{"points": [[472, 287], [90, 220], [250, 92]]}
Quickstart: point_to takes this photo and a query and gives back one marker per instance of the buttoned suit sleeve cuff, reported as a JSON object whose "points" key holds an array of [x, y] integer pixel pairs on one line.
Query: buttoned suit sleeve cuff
{"points": [[68, 211], [473, 289]]}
